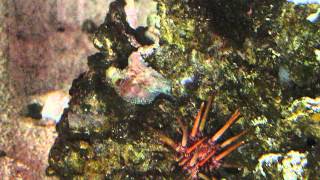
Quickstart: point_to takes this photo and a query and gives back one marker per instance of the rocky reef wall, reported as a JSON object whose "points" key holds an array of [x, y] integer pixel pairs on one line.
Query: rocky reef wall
{"points": [[258, 56]]}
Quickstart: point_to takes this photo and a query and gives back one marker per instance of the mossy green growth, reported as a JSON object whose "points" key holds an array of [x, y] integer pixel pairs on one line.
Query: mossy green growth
{"points": [[172, 29], [303, 116], [296, 40], [298, 128], [263, 67], [292, 165]]}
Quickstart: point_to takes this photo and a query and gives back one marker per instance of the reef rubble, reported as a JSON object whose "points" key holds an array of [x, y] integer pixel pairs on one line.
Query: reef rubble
{"points": [[258, 56]]}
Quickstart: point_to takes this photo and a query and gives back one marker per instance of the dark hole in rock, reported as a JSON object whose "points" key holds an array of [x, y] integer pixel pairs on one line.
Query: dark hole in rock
{"points": [[34, 111], [141, 37], [2, 153], [311, 142], [61, 29], [20, 35]]}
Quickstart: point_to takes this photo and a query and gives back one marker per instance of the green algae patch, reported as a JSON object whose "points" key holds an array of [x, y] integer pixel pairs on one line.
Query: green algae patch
{"points": [[292, 165], [267, 66]]}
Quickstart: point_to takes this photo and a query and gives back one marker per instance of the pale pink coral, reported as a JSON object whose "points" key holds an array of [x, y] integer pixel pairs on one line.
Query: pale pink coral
{"points": [[138, 83]]}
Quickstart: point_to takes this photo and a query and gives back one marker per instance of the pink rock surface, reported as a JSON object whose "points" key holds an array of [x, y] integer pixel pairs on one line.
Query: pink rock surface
{"points": [[45, 50], [138, 83], [45, 54], [26, 146]]}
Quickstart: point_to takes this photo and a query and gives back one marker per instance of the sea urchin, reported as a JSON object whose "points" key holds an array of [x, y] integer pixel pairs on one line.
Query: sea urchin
{"points": [[195, 151]]}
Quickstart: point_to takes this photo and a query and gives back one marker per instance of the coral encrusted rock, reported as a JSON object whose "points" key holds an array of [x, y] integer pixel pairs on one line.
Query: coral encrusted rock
{"points": [[159, 64]]}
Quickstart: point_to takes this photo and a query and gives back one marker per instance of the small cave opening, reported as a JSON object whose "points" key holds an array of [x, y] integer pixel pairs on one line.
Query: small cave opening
{"points": [[34, 111]]}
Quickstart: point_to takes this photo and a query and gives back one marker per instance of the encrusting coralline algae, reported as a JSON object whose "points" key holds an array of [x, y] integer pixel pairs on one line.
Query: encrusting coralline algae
{"points": [[138, 83]]}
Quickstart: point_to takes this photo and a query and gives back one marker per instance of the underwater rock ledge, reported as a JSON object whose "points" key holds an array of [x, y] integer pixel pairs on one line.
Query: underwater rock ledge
{"points": [[267, 68]]}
